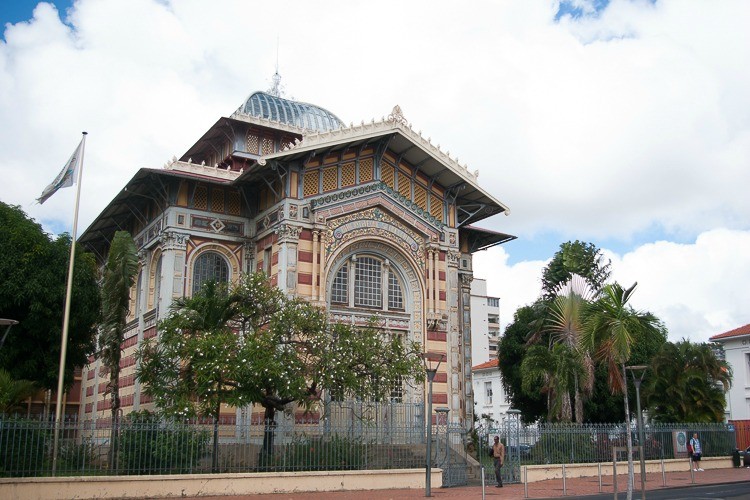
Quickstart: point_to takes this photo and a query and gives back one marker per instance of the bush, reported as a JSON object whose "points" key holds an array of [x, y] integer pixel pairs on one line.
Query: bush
{"points": [[25, 447], [149, 445], [319, 453], [77, 458]]}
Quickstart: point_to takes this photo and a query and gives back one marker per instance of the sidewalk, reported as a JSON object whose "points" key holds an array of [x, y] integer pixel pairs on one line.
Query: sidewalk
{"points": [[574, 487]]}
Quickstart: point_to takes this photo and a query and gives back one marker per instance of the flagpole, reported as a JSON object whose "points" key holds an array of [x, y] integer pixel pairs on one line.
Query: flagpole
{"points": [[66, 317]]}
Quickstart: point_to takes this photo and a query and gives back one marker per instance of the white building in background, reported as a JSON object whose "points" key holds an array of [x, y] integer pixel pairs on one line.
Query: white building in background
{"points": [[736, 344], [490, 400], [485, 323]]}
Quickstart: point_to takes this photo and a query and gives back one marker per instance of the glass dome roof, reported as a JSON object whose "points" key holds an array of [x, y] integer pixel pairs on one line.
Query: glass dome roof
{"points": [[298, 114]]}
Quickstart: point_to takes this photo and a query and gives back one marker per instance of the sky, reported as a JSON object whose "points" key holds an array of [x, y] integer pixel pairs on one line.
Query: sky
{"points": [[624, 123]]}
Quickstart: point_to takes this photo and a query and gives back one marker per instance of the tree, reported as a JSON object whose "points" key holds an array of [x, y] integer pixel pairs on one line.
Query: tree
{"points": [[576, 257], [251, 344], [687, 383], [118, 279], [32, 291], [14, 392], [512, 350], [610, 327], [564, 323]]}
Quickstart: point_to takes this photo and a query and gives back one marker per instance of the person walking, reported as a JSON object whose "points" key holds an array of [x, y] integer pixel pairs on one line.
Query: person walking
{"points": [[498, 453], [695, 446]]}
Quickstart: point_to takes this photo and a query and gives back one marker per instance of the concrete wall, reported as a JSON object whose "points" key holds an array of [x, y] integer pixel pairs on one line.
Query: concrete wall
{"points": [[175, 486], [536, 473]]}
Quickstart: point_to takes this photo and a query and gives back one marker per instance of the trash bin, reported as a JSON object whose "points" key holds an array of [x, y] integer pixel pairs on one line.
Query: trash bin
{"points": [[736, 457], [746, 459]]}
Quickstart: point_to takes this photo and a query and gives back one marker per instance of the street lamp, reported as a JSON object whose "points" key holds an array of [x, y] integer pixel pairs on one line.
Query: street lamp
{"points": [[638, 372], [432, 362], [9, 323]]}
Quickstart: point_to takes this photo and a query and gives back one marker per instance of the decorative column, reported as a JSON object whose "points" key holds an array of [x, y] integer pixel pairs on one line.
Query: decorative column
{"points": [[315, 250], [288, 241], [436, 281], [456, 392], [430, 281], [465, 345], [174, 251]]}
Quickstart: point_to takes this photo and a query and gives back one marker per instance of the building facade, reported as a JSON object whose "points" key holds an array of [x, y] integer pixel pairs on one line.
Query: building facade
{"points": [[491, 402], [736, 346], [485, 323], [362, 220]]}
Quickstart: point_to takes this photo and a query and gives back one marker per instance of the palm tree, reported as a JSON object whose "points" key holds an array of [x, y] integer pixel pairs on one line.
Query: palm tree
{"points": [[609, 328], [565, 324], [118, 279], [556, 371], [14, 392], [562, 325], [687, 384]]}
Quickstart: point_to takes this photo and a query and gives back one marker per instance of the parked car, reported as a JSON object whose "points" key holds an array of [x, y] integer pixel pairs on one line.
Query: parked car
{"points": [[524, 450]]}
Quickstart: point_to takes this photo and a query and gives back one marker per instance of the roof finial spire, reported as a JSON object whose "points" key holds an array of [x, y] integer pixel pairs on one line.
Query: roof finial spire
{"points": [[275, 89]]}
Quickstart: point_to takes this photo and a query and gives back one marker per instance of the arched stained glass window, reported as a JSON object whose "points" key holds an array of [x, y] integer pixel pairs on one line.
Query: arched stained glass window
{"points": [[209, 266], [368, 283], [395, 296], [340, 288], [375, 285]]}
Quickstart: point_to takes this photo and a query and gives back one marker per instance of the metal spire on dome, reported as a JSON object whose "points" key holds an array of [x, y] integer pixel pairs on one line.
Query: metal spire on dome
{"points": [[275, 89]]}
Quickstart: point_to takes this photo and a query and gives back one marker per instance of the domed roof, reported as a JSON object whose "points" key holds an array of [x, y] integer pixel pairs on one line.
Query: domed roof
{"points": [[298, 114]]}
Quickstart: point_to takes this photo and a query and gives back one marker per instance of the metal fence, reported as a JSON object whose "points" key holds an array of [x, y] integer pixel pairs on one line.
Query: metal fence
{"points": [[593, 443], [352, 436], [346, 436]]}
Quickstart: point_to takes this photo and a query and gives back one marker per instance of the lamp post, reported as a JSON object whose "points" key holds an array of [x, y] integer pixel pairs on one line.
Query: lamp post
{"points": [[9, 323], [638, 372], [431, 364]]}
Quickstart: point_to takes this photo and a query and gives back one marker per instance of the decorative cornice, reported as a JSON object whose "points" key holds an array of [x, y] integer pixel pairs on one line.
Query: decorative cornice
{"points": [[452, 258], [329, 199], [394, 121], [264, 122], [172, 240], [202, 169], [287, 232]]}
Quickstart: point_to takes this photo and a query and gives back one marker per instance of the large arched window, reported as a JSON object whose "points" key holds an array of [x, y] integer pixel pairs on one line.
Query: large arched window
{"points": [[367, 281], [209, 266]]}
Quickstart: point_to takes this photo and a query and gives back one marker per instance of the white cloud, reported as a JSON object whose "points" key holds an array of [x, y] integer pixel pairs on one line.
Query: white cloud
{"points": [[604, 127], [697, 289]]}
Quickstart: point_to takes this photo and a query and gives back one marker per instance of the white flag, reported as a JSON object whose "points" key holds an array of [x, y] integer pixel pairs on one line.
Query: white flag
{"points": [[66, 177]]}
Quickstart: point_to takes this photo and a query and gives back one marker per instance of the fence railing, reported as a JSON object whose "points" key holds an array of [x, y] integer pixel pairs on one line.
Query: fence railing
{"points": [[347, 436], [351, 436], [592, 443]]}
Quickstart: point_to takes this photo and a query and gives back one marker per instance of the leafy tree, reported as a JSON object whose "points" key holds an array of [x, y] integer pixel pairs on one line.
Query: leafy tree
{"points": [[686, 383], [118, 279], [564, 322], [14, 392], [610, 327], [575, 257], [512, 349], [251, 344], [32, 291]]}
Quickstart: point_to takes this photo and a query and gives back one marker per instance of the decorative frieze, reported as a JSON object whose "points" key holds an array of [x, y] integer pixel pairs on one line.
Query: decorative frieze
{"points": [[374, 222], [172, 240], [288, 233], [368, 189]]}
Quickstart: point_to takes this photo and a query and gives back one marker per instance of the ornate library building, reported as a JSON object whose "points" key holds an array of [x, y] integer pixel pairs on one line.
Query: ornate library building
{"points": [[362, 219]]}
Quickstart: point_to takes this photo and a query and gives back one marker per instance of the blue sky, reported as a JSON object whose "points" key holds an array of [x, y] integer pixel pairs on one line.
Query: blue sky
{"points": [[13, 11], [625, 123]]}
